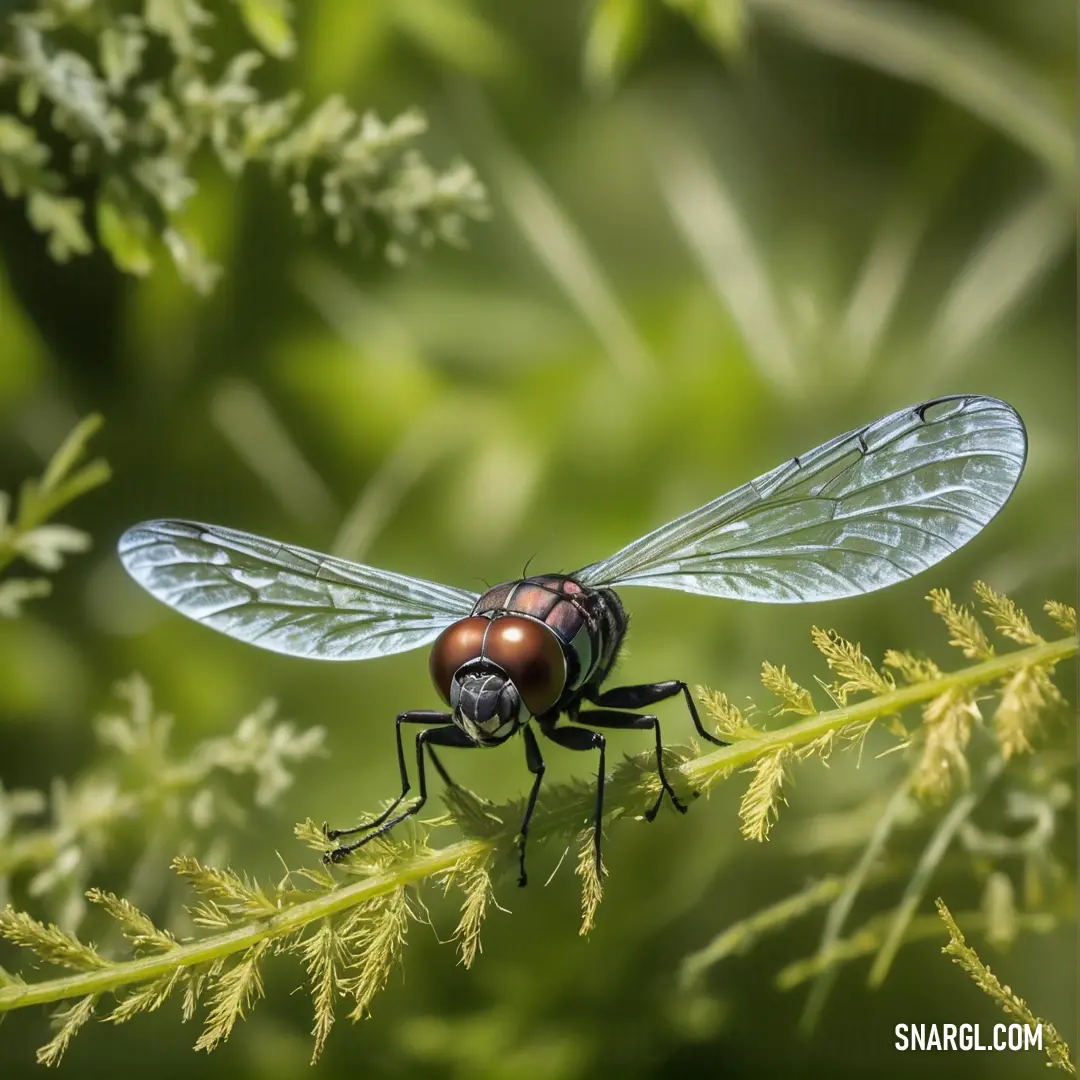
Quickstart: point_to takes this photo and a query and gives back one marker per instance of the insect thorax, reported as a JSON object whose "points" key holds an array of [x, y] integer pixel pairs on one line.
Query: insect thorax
{"points": [[589, 623]]}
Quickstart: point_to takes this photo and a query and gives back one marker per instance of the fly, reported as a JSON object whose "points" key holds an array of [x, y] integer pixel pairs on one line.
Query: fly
{"points": [[860, 512]]}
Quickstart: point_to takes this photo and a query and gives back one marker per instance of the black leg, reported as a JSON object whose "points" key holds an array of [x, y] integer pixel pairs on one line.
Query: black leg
{"points": [[580, 738], [450, 735], [638, 697], [416, 716], [634, 722], [534, 759], [439, 768]]}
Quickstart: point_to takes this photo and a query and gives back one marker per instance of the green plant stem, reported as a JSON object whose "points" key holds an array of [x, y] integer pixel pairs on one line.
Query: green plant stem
{"points": [[739, 937], [845, 901], [241, 938], [868, 940], [698, 772], [932, 855], [701, 771]]}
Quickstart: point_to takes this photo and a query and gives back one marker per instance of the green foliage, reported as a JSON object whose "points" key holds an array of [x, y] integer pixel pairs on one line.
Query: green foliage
{"points": [[965, 630], [939, 765], [616, 35], [760, 804], [323, 955], [592, 879], [234, 990], [728, 719], [909, 41], [721, 23], [68, 1022], [27, 534], [793, 697], [738, 268], [1057, 1050], [846, 660], [227, 896], [742, 936], [49, 943], [475, 875], [136, 926], [139, 98], [920, 45], [349, 934], [618, 32], [174, 799]]}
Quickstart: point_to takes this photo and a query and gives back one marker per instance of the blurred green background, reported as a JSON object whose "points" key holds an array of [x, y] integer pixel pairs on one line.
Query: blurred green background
{"points": [[762, 234]]}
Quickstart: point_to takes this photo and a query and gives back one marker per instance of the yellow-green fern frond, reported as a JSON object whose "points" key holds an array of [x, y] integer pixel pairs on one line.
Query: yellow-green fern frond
{"points": [[1062, 614], [68, 1022], [1055, 1047], [729, 722], [793, 697], [1025, 698], [913, 669], [591, 873], [1007, 618], [373, 937], [761, 803], [965, 632], [856, 673], [947, 724]]}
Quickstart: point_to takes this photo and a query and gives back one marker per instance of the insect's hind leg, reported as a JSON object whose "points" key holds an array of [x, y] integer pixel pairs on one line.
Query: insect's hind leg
{"points": [[450, 735], [645, 694], [608, 718], [415, 716]]}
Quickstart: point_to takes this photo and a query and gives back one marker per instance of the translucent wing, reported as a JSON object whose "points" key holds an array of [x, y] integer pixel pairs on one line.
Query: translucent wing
{"points": [[865, 510], [287, 598]]}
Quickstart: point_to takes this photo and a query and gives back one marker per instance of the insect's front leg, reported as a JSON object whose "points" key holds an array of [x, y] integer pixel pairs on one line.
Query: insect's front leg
{"points": [[582, 738], [645, 694], [535, 762], [450, 735], [415, 716]]}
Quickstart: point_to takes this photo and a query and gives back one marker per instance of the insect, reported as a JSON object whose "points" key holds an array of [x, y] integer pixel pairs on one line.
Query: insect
{"points": [[860, 512]]}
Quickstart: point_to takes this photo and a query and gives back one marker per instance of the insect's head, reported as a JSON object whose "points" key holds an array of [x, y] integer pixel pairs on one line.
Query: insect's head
{"points": [[495, 673], [486, 703]]}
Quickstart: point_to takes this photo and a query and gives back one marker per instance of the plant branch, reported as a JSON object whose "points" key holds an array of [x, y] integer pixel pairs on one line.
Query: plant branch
{"points": [[238, 940], [629, 788], [845, 901], [704, 770], [869, 938]]}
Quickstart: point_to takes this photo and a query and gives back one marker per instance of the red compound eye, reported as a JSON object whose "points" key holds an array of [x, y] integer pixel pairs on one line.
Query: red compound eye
{"points": [[531, 655], [456, 645]]}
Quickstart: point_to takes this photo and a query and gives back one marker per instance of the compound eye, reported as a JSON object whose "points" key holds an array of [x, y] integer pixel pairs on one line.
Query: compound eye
{"points": [[456, 645], [532, 656]]}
